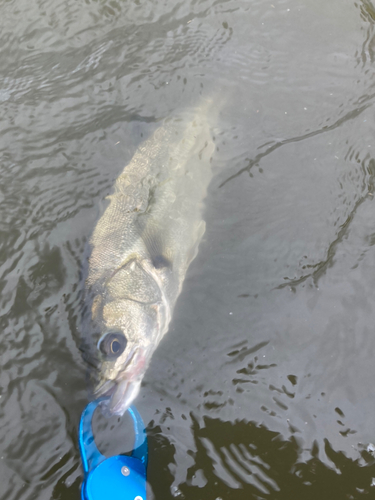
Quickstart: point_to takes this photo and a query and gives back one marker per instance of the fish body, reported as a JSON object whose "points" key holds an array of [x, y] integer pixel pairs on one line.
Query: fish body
{"points": [[141, 249]]}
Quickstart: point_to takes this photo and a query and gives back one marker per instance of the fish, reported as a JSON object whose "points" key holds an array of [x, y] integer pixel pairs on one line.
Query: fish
{"points": [[140, 251]]}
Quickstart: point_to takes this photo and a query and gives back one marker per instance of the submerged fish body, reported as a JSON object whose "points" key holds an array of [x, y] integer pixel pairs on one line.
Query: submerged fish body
{"points": [[141, 248]]}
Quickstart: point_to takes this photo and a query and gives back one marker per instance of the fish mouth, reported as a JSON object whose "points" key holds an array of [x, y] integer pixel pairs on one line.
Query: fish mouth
{"points": [[118, 395], [105, 389]]}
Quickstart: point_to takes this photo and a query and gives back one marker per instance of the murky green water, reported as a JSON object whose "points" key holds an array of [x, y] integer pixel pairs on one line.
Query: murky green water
{"points": [[264, 386]]}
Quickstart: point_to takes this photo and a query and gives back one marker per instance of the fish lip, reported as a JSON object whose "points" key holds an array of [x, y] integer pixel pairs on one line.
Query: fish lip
{"points": [[106, 389], [116, 397]]}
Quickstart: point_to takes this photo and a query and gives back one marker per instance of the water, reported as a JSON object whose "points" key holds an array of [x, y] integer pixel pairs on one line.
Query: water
{"points": [[263, 387]]}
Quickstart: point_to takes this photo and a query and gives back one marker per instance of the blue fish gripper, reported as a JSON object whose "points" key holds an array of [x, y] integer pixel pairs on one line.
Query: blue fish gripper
{"points": [[117, 477]]}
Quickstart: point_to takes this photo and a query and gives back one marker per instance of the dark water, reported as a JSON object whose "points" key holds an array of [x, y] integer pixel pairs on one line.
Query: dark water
{"points": [[264, 386]]}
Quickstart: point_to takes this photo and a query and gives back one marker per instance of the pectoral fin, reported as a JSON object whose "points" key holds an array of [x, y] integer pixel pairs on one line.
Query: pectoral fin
{"points": [[156, 248], [200, 230]]}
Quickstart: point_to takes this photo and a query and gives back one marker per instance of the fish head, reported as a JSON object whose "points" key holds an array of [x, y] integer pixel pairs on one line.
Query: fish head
{"points": [[129, 317], [124, 351]]}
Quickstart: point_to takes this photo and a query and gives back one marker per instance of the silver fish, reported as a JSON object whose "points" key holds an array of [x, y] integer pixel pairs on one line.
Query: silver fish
{"points": [[141, 249]]}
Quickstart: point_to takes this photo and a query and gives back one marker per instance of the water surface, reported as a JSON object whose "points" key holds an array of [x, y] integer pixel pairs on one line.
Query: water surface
{"points": [[263, 387]]}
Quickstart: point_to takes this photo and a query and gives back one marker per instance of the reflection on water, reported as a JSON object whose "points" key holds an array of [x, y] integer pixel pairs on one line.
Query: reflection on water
{"points": [[263, 387], [245, 459]]}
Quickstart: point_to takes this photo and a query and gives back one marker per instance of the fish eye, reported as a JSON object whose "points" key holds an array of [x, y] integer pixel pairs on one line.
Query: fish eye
{"points": [[113, 344]]}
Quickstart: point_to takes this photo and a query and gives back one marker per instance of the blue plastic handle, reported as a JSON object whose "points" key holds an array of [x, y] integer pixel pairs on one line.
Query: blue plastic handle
{"points": [[117, 477]]}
